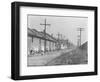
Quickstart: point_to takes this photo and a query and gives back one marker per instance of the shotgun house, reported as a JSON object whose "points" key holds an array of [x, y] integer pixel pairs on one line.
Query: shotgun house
{"points": [[38, 43]]}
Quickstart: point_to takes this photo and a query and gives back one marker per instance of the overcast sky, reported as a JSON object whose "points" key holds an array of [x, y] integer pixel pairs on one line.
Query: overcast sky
{"points": [[67, 26]]}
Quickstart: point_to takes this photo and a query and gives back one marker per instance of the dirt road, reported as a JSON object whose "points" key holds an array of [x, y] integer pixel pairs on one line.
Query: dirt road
{"points": [[41, 60]]}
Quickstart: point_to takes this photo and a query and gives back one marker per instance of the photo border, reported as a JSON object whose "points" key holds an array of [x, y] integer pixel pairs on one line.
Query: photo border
{"points": [[15, 40]]}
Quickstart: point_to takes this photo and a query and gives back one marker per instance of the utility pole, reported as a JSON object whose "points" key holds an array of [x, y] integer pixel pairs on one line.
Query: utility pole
{"points": [[80, 35], [59, 46], [58, 36], [78, 41], [45, 25]]}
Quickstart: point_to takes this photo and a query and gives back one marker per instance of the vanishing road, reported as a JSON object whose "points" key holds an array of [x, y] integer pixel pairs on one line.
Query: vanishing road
{"points": [[41, 60]]}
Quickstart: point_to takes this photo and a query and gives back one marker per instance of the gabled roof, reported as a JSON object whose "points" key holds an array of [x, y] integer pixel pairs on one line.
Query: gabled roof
{"points": [[38, 34], [30, 32]]}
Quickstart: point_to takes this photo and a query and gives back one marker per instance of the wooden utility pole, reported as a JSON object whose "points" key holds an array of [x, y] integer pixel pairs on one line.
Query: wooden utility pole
{"points": [[59, 46], [58, 36], [45, 25], [78, 42], [80, 35]]}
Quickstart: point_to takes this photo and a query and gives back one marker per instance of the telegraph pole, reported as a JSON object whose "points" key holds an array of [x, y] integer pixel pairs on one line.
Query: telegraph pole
{"points": [[80, 35], [58, 40], [58, 36], [45, 25]]}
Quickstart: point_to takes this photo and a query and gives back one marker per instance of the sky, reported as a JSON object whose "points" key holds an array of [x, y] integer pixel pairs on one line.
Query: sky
{"points": [[65, 25]]}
